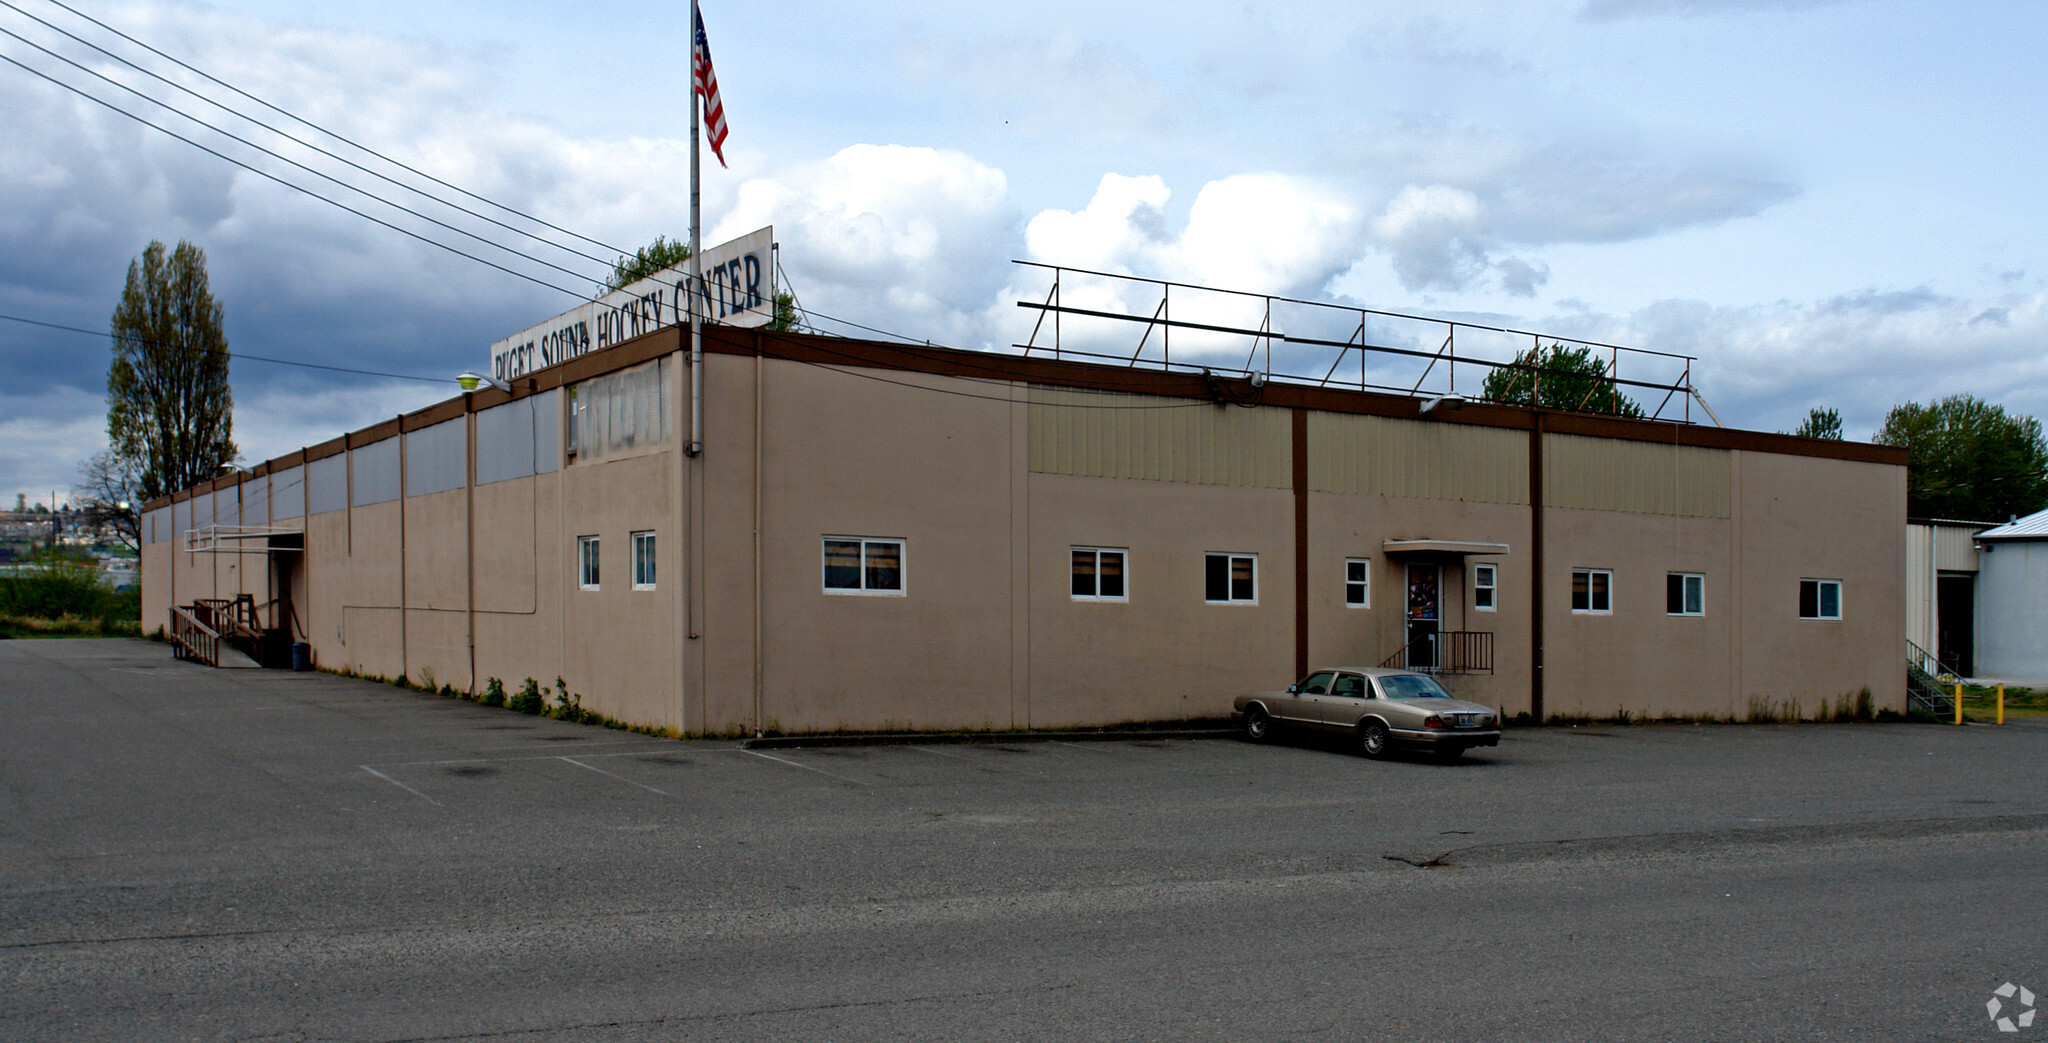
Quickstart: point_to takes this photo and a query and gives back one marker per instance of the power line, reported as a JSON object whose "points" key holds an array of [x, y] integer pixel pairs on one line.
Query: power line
{"points": [[230, 354], [281, 133], [295, 187], [332, 134], [274, 155]]}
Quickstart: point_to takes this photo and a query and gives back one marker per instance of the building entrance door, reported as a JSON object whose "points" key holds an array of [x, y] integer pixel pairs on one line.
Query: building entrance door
{"points": [[1955, 596], [1424, 603]]}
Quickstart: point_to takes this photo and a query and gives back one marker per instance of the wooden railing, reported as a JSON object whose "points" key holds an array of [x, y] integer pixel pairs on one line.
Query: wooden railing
{"points": [[1455, 652], [235, 615], [192, 639]]}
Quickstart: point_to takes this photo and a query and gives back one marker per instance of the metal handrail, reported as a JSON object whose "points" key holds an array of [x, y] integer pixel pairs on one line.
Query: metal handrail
{"points": [[1265, 335], [1458, 652]]}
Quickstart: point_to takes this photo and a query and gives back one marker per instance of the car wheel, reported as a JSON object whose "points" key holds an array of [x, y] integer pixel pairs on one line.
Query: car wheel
{"points": [[1373, 740], [1258, 727]]}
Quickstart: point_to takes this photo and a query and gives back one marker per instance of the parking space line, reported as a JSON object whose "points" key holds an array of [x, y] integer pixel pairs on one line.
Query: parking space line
{"points": [[500, 760], [401, 785], [621, 778], [1089, 746], [806, 767]]}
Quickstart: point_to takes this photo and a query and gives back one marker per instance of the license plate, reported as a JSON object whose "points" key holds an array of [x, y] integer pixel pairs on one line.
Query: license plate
{"points": [[1467, 720]]}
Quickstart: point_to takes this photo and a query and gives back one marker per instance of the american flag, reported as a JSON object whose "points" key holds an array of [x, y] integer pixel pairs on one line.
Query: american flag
{"points": [[706, 83]]}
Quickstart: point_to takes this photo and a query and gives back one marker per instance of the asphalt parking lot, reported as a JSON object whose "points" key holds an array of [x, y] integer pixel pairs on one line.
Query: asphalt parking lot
{"points": [[254, 855]]}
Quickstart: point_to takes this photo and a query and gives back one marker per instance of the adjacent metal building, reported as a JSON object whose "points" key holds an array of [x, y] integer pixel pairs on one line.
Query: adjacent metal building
{"points": [[879, 536]]}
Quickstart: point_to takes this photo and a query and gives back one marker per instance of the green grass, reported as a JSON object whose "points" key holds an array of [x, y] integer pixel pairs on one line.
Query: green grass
{"points": [[1980, 703], [66, 599]]}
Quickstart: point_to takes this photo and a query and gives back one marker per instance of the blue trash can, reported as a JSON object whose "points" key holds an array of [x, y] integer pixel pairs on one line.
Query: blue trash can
{"points": [[302, 656]]}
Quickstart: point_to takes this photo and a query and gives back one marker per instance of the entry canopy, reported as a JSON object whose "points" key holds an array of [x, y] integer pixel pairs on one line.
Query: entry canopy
{"points": [[1460, 548]]}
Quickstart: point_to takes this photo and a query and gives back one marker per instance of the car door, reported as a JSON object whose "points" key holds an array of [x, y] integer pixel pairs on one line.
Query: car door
{"points": [[1302, 705], [1345, 703]]}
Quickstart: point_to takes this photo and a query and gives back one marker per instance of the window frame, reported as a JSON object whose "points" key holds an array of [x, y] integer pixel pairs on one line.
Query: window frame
{"points": [[1819, 604], [1589, 573], [589, 559], [902, 588], [1364, 585], [1698, 579], [647, 537], [1123, 555], [1492, 586], [1230, 558]]}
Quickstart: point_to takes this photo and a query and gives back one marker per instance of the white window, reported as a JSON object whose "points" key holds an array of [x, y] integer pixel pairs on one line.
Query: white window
{"points": [[1592, 591], [1820, 599], [1099, 574], [643, 561], [1685, 594], [1358, 582], [586, 562], [1231, 579], [858, 565], [1485, 587]]}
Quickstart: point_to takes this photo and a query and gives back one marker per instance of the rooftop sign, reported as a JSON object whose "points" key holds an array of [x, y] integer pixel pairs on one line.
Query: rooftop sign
{"points": [[738, 290]]}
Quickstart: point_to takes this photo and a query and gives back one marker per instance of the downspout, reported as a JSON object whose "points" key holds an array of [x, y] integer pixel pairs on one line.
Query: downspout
{"points": [[758, 672], [1536, 566], [404, 650], [469, 527]]}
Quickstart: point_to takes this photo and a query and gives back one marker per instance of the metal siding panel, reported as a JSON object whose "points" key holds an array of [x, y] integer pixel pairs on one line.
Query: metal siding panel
{"points": [[375, 466], [227, 508], [1605, 474], [434, 458], [256, 502], [1381, 456], [288, 493], [1955, 548], [327, 484], [1158, 439], [505, 446], [202, 511], [1920, 586], [547, 431]]}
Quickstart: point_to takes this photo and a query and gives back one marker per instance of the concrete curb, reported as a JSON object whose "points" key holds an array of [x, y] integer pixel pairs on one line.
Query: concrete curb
{"points": [[787, 742]]}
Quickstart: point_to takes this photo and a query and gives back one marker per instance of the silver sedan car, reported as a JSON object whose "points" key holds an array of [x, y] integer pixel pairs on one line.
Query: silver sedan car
{"points": [[1383, 708]]}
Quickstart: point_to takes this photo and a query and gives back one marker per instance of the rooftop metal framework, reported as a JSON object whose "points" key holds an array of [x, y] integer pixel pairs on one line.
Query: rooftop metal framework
{"points": [[1086, 310]]}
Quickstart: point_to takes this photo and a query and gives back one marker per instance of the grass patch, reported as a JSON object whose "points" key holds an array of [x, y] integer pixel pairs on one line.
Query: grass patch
{"points": [[1980, 703]]}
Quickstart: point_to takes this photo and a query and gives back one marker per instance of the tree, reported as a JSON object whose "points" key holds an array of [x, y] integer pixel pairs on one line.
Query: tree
{"points": [[109, 497], [1821, 423], [1970, 459], [786, 318], [1557, 377], [170, 413], [657, 256]]}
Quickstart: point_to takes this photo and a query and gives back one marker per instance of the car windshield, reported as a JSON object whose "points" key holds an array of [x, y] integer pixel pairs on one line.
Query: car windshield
{"points": [[1411, 686]]}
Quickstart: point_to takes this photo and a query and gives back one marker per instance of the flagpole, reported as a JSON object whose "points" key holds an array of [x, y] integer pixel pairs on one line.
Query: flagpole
{"points": [[696, 253]]}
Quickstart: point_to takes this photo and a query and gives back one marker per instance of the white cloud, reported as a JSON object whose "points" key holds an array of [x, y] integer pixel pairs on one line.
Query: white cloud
{"points": [[882, 233], [1262, 232]]}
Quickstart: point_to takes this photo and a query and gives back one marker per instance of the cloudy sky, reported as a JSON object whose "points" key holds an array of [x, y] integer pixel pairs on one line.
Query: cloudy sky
{"points": [[1829, 203]]}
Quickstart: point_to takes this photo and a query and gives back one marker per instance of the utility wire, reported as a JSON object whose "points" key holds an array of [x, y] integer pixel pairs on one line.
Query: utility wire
{"points": [[297, 188], [281, 133], [332, 134], [274, 155], [230, 354]]}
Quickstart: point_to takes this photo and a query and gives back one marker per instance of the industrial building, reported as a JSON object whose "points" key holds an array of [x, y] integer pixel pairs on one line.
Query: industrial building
{"points": [[881, 536]]}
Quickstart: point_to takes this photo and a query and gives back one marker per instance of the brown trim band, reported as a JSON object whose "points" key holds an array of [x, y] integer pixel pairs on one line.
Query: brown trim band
{"points": [[986, 365]]}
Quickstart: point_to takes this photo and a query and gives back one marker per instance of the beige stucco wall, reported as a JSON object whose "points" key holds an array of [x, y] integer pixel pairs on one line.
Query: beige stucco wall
{"points": [[990, 485]]}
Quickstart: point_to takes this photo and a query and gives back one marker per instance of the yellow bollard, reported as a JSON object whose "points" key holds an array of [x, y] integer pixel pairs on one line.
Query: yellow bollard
{"points": [[2001, 704], [1959, 702]]}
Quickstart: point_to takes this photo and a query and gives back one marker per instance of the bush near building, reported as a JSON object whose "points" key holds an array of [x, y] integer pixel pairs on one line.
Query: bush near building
{"points": [[65, 598]]}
